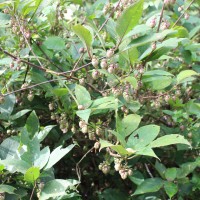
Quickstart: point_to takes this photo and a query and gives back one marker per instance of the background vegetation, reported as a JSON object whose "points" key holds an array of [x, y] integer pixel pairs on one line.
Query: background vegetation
{"points": [[99, 99]]}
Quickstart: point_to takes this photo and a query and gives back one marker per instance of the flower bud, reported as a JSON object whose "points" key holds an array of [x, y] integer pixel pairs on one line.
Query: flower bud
{"points": [[95, 62], [96, 145], [105, 169], [95, 74], [84, 129], [81, 107], [109, 53], [104, 64], [152, 23]]}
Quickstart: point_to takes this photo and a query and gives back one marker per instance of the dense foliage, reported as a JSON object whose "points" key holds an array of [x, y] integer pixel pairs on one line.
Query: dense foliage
{"points": [[99, 99]]}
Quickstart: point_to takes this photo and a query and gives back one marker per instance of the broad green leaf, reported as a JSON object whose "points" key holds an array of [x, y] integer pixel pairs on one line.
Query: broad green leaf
{"points": [[133, 55], [128, 124], [60, 91], [56, 188], [132, 80], [32, 174], [44, 132], [9, 148], [169, 140], [84, 35], [157, 72], [146, 152], [137, 177], [146, 135], [147, 39], [55, 43], [84, 114], [7, 188], [187, 168], [6, 108], [32, 124], [182, 32], [170, 174], [160, 169], [129, 18], [118, 148], [80, 2], [170, 188], [193, 108], [83, 96], [2, 168], [120, 137], [19, 114], [15, 165], [185, 74], [157, 82], [149, 185], [42, 158], [57, 154], [113, 194]]}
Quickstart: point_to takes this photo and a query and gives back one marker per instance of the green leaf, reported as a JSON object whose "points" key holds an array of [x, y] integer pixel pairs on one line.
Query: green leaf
{"points": [[57, 154], [32, 124], [60, 91], [145, 135], [146, 152], [132, 80], [120, 137], [84, 114], [185, 74], [83, 96], [169, 140], [56, 188], [15, 165], [149, 185], [7, 188], [19, 114], [129, 18], [84, 35], [170, 174], [182, 32], [6, 108], [146, 39], [55, 43], [170, 188], [32, 174], [42, 158], [160, 169], [43, 133], [128, 124], [137, 177], [9, 148], [118, 148], [157, 82]]}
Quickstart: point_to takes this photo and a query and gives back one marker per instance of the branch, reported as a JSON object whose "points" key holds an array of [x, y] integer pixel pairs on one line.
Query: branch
{"points": [[183, 13]]}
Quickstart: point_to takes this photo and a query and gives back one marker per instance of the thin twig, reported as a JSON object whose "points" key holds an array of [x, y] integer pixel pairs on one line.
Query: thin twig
{"points": [[32, 86], [47, 57], [148, 170], [161, 16], [105, 22], [33, 191], [183, 13], [77, 164]]}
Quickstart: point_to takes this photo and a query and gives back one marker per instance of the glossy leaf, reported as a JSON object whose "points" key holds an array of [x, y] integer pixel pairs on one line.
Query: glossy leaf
{"points": [[84, 34], [57, 154], [32, 174], [129, 18], [169, 140], [170, 188], [185, 74], [149, 185], [83, 96], [56, 188], [55, 43]]}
